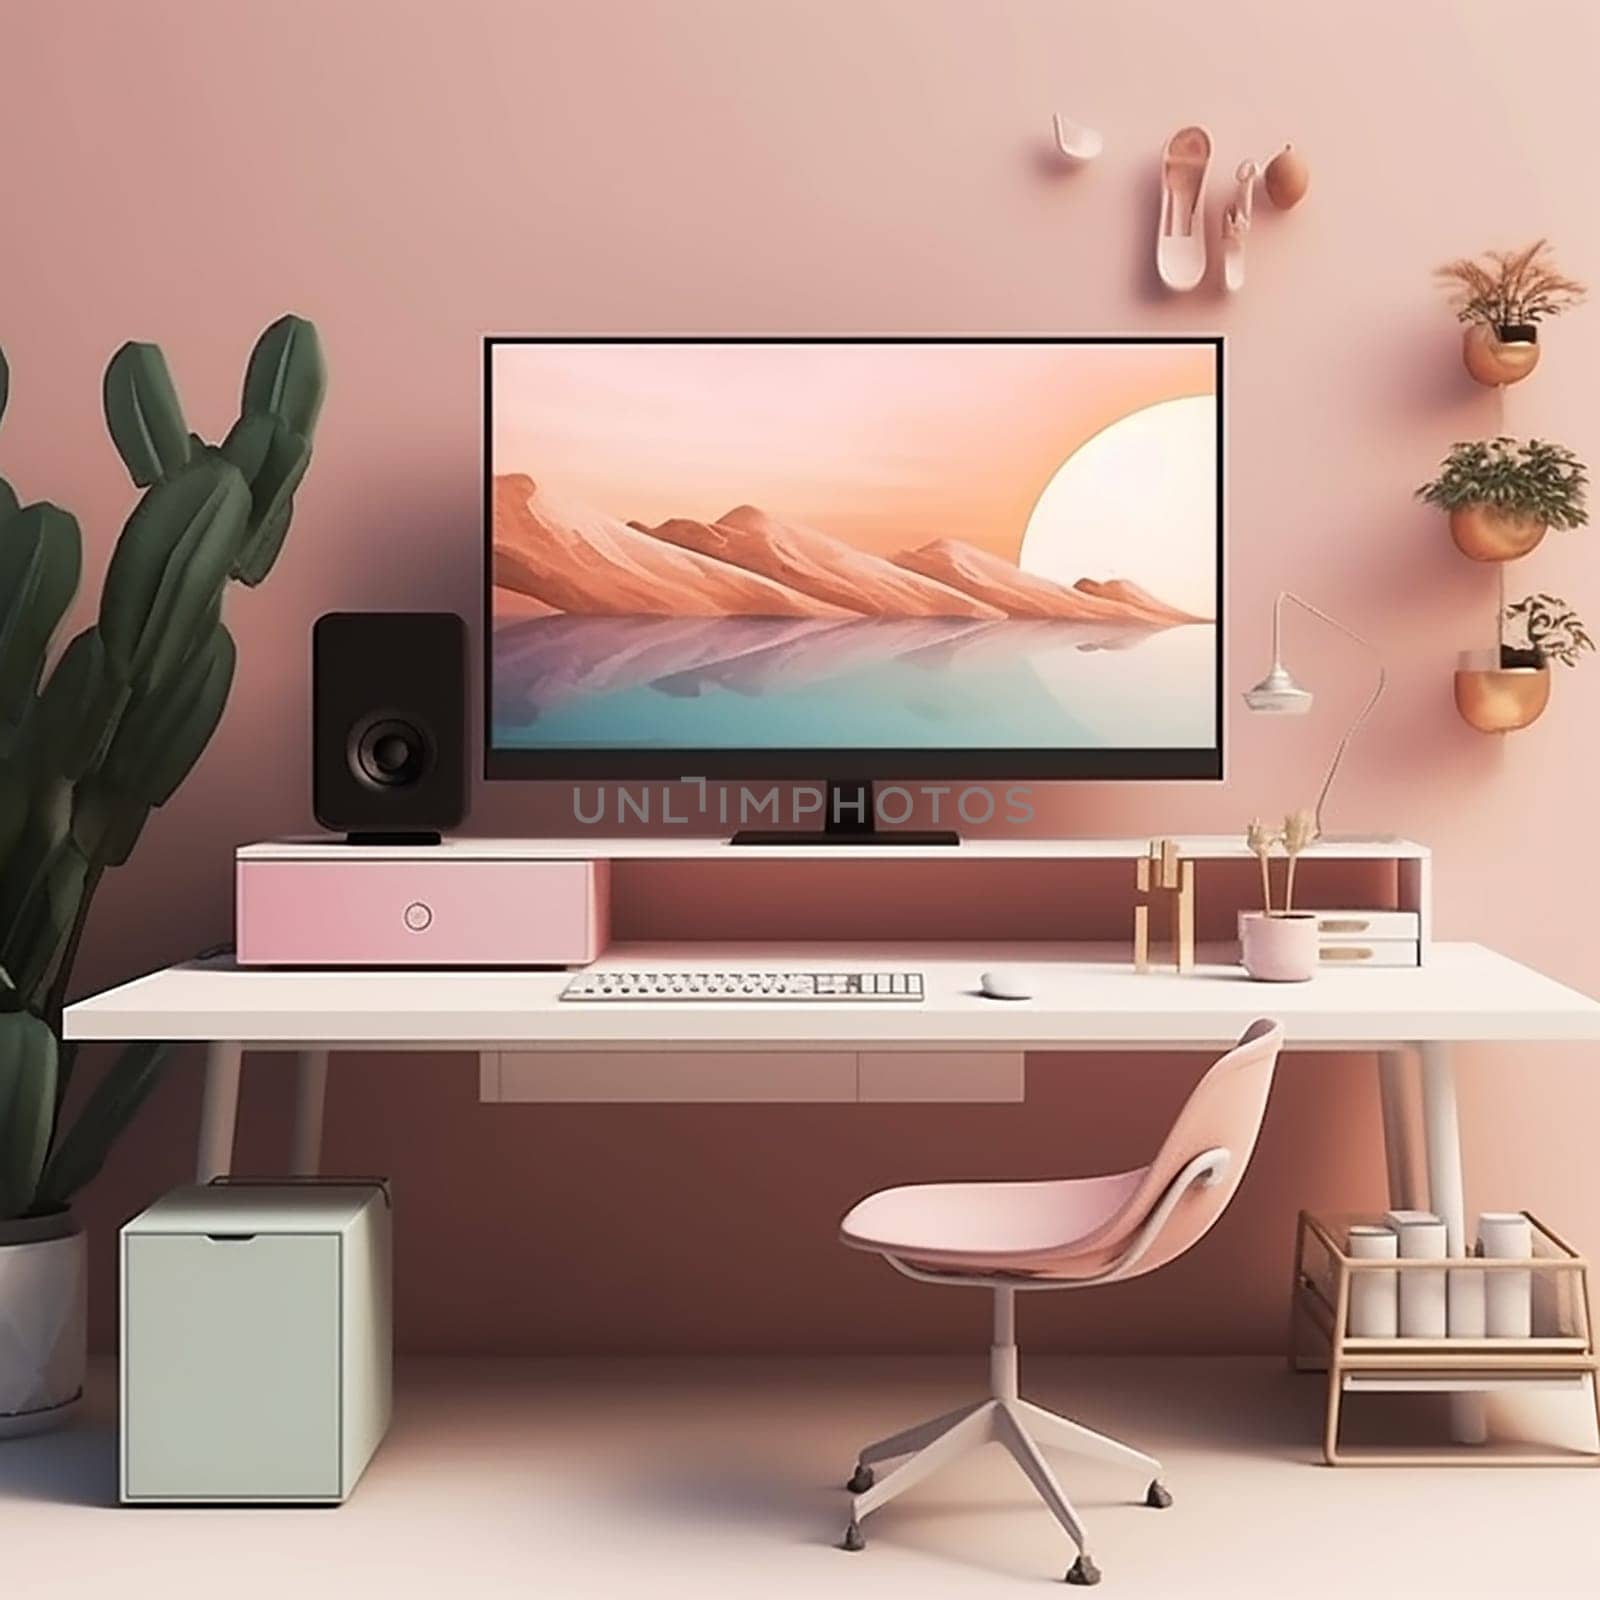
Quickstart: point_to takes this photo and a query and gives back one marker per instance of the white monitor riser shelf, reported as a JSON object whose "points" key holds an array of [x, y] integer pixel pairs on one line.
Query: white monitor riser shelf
{"points": [[686, 846], [1411, 862]]}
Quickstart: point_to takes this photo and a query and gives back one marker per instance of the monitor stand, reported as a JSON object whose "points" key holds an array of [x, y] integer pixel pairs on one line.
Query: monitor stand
{"points": [[849, 817], [394, 836]]}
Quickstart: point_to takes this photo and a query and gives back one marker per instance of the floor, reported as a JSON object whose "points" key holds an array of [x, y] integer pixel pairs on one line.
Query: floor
{"points": [[705, 1479]]}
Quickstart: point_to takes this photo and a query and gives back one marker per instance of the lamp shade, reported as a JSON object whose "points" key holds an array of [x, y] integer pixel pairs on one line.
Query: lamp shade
{"points": [[1279, 694]]}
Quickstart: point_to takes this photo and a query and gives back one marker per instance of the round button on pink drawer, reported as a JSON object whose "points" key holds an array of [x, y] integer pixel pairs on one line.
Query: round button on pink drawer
{"points": [[418, 916]]}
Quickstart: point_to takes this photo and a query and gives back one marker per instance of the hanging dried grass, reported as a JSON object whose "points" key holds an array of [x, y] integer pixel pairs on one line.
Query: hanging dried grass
{"points": [[1260, 839], [1299, 830], [1508, 288]]}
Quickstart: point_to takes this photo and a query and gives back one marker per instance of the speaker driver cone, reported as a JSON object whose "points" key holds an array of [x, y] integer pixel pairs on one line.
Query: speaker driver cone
{"points": [[389, 753]]}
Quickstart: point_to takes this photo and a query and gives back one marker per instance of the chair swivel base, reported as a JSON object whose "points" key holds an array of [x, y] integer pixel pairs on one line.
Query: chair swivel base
{"points": [[1022, 1427]]}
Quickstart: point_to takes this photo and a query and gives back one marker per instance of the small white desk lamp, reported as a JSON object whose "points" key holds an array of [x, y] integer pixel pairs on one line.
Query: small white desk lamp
{"points": [[1279, 695]]}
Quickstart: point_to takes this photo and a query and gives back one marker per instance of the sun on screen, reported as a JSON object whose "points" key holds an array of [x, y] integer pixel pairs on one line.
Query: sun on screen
{"points": [[1136, 502]]}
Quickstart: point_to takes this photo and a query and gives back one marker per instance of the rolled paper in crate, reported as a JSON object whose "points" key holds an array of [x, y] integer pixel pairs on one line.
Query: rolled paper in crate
{"points": [[1374, 1296], [1423, 1303], [1503, 1236]]}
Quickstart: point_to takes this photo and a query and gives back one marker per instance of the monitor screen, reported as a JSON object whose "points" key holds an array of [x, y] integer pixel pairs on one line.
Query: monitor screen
{"points": [[891, 557]]}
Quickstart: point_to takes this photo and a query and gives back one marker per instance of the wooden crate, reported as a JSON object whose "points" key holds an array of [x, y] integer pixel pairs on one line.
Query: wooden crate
{"points": [[1559, 1354]]}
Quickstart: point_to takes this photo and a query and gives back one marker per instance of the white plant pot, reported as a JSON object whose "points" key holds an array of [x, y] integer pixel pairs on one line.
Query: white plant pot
{"points": [[43, 1322]]}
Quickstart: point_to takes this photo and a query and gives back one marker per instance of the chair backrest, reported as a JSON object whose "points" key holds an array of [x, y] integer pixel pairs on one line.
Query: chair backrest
{"points": [[1223, 1112]]}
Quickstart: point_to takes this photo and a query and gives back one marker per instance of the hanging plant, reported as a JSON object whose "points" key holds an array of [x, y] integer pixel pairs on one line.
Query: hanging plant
{"points": [[1510, 291], [1539, 629], [1503, 296], [1503, 494]]}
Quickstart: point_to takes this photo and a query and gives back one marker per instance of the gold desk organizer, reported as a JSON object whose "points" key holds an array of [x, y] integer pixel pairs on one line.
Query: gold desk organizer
{"points": [[1562, 1345], [1163, 875]]}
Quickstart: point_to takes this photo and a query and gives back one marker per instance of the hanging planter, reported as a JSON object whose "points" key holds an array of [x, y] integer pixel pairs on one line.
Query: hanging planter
{"points": [[1501, 691], [1504, 494], [1496, 699], [1504, 353], [1502, 298], [1485, 534]]}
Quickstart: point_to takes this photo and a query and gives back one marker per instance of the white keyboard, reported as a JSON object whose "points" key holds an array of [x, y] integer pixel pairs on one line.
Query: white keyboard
{"points": [[741, 986]]}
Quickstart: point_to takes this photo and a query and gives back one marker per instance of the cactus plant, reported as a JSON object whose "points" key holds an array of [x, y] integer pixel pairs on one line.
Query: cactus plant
{"points": [[109, 732]]}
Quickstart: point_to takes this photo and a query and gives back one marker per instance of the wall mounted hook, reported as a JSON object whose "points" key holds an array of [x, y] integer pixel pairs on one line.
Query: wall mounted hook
{"points": [[1074, 141]]}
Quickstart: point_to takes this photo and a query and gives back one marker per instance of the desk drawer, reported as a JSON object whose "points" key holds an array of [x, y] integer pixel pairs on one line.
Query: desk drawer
{"points": [[1380, 925], [1344, 952], [778, 1077]]}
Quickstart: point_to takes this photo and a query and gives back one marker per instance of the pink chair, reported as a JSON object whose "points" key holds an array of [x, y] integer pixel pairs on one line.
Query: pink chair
{"points": [[1070, 1233]]}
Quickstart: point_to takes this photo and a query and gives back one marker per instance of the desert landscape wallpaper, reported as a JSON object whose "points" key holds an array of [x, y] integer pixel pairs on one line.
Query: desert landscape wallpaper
{"points": [[842, 545]]}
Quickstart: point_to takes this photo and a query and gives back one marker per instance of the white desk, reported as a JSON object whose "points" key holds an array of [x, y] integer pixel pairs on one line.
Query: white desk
{"points": [[1086, 998]]}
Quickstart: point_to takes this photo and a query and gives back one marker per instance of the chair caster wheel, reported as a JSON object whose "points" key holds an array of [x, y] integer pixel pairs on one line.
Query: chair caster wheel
{"points": [[1158, 1495], [861, 1479], [854, 1539], [1083, 1572]]}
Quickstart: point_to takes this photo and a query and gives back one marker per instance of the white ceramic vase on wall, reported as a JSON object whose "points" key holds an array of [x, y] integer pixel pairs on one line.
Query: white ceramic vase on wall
{"points": [[43, 1326]]}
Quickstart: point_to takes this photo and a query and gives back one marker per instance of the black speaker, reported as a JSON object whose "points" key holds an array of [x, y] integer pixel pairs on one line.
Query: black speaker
{"points": [[389, 724]]}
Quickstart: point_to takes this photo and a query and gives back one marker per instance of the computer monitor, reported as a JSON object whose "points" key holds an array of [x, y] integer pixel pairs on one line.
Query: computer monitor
{"points": [[800, 557]]}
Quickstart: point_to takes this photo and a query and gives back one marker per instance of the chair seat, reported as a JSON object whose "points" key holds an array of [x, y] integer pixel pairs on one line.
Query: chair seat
{"points": [[991, 1227]]}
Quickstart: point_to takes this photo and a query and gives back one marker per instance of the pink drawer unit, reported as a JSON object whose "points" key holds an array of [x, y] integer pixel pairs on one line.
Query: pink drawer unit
{"points": [[345, 907]]}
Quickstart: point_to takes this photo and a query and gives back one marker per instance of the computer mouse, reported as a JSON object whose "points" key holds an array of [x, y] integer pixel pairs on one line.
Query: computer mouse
{"points": [[1006, 983]]}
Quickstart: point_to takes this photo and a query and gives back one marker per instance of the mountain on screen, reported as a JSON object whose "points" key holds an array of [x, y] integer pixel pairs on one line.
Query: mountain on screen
{"points": [[749, 563]]}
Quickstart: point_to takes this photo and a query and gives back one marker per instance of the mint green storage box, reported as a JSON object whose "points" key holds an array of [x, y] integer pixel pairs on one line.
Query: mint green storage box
{"points": [[256, 1342]]}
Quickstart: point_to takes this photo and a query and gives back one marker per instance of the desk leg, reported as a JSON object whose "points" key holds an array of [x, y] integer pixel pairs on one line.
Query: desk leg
{"points": [[1393, 1082], [310, 1095], [1442, 1132], [219, 1112]]}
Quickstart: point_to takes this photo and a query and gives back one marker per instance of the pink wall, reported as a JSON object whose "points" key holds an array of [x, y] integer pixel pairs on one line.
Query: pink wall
{"points": [[412, 175]]}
